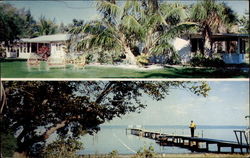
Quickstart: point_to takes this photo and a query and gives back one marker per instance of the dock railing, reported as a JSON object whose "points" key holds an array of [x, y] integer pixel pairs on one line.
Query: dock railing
{"points": [[191, 143]]}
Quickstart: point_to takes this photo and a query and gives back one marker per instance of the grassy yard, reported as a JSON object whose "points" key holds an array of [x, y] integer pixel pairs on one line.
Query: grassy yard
{"points": [[19, 69]]}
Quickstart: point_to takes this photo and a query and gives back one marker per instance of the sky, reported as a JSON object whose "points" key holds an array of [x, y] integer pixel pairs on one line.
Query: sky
{"points": [[66, 11], [226, 104]]}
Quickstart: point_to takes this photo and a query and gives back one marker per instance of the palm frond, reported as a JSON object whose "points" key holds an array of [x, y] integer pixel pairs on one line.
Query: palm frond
{"points": [[162, 47], [172, 12], [105, 6], [130, 23], [131, 7], [180, 29]]}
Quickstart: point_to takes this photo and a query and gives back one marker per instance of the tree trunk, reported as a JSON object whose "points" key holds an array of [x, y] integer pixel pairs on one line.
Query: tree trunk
{"points": [[153, 5], [23, 146], [130, 56], [207, 35], [208, 47]]}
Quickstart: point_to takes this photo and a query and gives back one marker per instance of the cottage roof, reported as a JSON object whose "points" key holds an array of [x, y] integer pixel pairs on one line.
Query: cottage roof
{"points": [[47, 38], [223, 36]]}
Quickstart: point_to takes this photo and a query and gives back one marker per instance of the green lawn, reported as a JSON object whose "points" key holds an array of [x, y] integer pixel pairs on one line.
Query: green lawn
{"points": [[18, 69]]}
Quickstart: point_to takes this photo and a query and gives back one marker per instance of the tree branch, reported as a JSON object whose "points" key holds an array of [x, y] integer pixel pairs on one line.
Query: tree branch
{"points": [[104, 92], [3, 98]]}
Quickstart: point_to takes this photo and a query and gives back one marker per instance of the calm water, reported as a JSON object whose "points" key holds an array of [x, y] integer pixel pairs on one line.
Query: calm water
{"points": [[115, 138]]}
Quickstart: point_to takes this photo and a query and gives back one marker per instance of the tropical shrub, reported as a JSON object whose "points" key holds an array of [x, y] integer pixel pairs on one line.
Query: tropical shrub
{"points": [[206, 62], [44, 52], [2, 52], [142, 59]]}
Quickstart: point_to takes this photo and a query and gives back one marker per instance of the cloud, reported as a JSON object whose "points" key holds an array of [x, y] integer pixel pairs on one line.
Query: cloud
{"points": [[215, 99]]}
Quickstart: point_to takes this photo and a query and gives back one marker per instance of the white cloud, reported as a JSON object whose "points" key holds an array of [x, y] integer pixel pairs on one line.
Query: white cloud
{"points": [[215, 99]]}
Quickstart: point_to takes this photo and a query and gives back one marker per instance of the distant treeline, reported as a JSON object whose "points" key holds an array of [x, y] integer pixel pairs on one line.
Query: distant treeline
{"points": [[19, 23]]}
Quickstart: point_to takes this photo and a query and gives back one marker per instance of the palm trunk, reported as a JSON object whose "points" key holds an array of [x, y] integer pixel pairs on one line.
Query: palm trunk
{"points": [[207, 33], [208, 47], [130, 56]]}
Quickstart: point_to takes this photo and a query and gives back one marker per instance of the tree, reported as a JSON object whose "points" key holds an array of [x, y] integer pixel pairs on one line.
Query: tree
{"points": [[46, 27], [35, 110], [124, 28], [245, 28], [29, 26], [15, 23], [212, 18], [244, 23], [10, 23]]}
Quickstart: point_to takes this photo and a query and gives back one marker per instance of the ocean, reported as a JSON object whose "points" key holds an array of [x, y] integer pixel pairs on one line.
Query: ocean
{"points": [[111, 138]]}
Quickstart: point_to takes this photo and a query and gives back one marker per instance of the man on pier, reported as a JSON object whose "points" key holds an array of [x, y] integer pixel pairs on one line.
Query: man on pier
{"points": [[192, 127]]}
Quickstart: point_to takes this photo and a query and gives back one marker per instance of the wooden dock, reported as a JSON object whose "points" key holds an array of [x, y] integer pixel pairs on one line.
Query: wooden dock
{"points": [[191, 143]]}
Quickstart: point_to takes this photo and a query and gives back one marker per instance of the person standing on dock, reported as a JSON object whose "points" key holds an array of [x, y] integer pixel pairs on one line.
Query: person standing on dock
{"points": [[192, 127]]}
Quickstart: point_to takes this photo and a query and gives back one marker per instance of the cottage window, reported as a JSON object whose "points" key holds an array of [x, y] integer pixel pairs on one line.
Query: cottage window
{"points": [[194, 45], [57, 47]]}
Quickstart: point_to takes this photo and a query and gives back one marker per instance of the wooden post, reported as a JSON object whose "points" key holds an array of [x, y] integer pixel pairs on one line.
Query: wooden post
{"points": [[30, 47], [26, 47], [238, 46], [7, 51], [37, 45], [218, 145], [207, 146], [19, 48], [232, 149]]}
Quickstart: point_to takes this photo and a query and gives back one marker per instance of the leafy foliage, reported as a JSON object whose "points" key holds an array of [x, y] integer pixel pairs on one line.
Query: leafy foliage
{"points": [[35, 110], [145, 153], [143, 59], [45, 27], [244, 23], [113, 154], [132, 25], [63, 148], [2, 52], [203, 61], [19, 23], [8, 143], [212, 17], [15, 23]]}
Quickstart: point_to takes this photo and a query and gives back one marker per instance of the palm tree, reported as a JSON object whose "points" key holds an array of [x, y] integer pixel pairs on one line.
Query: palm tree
{"points": [[211, 18], [46, 27], [132, 27]]}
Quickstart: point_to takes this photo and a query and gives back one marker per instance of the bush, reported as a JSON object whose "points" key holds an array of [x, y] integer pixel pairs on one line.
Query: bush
{"points": [[207, 62], [146, 153], [63, 148], [113, 154], [2, 52], [142, 59], [8, 143]]}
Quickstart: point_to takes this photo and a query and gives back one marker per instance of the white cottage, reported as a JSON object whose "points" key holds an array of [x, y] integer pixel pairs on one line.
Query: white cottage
{"points": [[231, 47], [26, 48]]}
